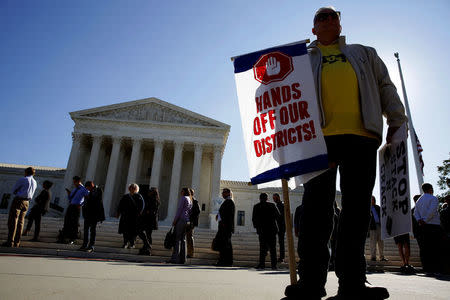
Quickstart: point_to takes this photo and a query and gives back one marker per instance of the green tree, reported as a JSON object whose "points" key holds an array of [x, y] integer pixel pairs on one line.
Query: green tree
{"points": [[444, 178]]}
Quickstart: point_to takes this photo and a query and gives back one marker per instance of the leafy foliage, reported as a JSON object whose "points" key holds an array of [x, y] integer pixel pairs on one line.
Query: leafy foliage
{"points": [[444, 178]]}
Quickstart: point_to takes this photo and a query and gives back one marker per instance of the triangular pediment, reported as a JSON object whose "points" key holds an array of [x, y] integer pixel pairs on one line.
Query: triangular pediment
{"points": [[151, 110]]}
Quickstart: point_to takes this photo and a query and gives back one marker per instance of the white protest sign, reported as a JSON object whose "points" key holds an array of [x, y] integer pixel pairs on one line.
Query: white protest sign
{"points": [[394, 186], [279, 114]]}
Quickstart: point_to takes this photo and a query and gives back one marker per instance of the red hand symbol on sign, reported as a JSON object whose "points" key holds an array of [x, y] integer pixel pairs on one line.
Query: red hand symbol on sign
{"points": [[272, 66]]}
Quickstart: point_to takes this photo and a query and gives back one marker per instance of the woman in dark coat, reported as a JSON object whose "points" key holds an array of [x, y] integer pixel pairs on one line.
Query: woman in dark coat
{"points": [[148, 221], [93, 212], [153, 211], [130, 207], [40, 208]]}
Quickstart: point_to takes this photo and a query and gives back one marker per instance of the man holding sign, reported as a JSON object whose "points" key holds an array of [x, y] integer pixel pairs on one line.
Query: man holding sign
{"points": [[354, 92]]}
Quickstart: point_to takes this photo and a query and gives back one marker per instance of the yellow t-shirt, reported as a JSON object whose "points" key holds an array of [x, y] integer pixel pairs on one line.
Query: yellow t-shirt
{"points": [[340, 94]]}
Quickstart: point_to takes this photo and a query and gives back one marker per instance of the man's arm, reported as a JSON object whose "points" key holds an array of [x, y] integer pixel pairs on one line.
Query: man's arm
{"points": [[277, 214], [417, 214], [391, 105], [254, 217], [432, 210], [17, 186]]}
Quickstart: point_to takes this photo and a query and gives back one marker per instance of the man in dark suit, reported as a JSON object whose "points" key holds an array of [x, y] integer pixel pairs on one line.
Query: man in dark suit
{"points": [[265, 218], [281, 225], [375, 232], [93, 212], [226, 228], [40, 208]]}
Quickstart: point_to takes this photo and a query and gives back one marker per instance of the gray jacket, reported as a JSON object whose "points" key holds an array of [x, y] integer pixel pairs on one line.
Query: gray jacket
{"points": [[378, 95]]}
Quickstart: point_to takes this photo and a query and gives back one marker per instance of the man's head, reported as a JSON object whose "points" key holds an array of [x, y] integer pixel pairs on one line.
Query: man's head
{"points": [[327, 25], [263, 197], [47, 184], [76, 180], [447, 199], [29, 171], [226, 192], [276, 198], [373, 200], [89, 185], [427, 188]]}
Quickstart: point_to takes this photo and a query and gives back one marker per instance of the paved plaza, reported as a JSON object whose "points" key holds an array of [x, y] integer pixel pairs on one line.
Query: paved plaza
{"points": [[41, 277]]}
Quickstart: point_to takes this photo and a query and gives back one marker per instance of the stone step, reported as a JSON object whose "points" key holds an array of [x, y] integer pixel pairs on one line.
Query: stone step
{"points": [[109, 242]]}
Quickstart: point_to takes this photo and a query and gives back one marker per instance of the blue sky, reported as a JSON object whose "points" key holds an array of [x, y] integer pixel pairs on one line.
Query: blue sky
{"points": [[62, 56]]}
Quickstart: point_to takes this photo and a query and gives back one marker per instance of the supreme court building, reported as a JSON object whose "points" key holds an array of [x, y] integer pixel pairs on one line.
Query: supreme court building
{"points": [[149, 142], [154, 144]]}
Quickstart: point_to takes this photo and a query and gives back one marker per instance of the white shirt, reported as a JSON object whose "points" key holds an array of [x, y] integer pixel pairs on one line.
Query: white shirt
{"points": [[427, 209], [25, 187]]}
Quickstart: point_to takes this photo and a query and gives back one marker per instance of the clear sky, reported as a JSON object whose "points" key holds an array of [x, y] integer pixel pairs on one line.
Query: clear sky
{"points": [[62, 56]]}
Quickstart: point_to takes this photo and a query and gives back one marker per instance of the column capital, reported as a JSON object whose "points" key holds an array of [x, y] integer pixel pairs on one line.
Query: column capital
{"points": [[96, 137], [76, 136], [136, 140], [178, 145], [159, 141], [116, 139], [198, 147], [218, 149]]}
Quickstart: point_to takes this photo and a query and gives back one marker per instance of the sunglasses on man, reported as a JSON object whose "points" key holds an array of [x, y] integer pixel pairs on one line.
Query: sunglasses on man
{"points": [[320, 17]]}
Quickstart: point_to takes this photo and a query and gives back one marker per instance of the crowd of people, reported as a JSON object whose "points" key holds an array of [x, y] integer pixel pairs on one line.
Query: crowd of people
{"points": [[139, 217], [430, 227]]}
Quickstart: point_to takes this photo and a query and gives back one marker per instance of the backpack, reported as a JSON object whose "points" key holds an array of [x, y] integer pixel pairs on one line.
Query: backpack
{"points": [[195, 213]]}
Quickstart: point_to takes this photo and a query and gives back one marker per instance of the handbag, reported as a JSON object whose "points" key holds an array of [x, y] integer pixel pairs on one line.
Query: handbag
{"points": [[217, 242], [169, 240]]}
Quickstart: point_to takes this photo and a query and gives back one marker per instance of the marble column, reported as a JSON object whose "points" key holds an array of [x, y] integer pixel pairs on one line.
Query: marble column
{"points": [[198, 151], [175, 180], [134, 162], [111, 176], [216, 199], [93, 159], [156, 165], [72, 166]]}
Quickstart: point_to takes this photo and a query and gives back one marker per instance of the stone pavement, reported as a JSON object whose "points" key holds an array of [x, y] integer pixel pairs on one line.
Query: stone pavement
{"points": [[25, 276]]}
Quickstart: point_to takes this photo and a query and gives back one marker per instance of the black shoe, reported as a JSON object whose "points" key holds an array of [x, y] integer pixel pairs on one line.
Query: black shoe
{"points": [[223, 264], [410, 269], [90, 249], [82, 248], [403, 269], [298, 291], [170, 261], [144, 251], [366, 293], [274, 268]]}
